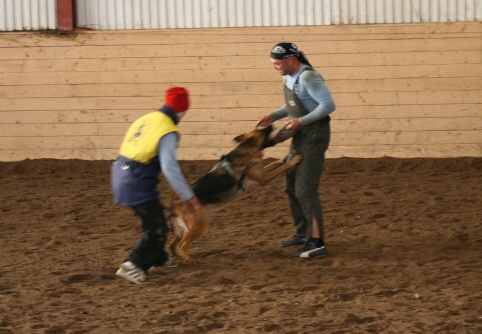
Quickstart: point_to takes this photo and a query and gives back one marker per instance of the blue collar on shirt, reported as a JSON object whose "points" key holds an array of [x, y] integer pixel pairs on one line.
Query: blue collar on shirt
{"points": [[169, 112]]}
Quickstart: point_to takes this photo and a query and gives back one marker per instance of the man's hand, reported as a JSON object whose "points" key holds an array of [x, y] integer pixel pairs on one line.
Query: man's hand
{"points": [[293, 124], [193, 203], [264, 121]]}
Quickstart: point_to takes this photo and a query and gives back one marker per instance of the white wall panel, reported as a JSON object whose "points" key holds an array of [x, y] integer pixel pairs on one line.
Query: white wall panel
{"points": [[154, 14], [478, 10], [162, 14], [27, 15]]}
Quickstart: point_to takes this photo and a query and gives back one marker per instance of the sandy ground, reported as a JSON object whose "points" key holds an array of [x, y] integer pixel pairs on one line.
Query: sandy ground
{"points": [[404, 238]]}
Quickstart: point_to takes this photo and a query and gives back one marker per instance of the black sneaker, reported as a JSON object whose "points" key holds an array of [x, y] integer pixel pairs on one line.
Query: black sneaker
{"points": [[295, 240], [310, 249]]}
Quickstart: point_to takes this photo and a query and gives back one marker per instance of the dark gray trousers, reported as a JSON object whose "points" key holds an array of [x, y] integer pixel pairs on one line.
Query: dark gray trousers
{"points": [[302, 181]]}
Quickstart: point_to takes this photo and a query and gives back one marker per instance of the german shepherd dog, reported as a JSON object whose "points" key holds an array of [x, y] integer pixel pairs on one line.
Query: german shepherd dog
{"points": [[229, 179]]}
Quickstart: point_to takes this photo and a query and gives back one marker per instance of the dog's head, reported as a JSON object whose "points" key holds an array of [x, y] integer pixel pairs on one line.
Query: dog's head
{"points": [[251, 144]]}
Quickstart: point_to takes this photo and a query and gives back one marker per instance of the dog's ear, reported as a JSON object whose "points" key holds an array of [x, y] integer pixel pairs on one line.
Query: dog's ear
{"points": [[239, 138], [267, 130], [268, 141], [249, 142]]}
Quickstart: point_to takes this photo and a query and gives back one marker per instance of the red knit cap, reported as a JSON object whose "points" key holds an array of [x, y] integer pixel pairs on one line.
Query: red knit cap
{"points": [[177, 99]]}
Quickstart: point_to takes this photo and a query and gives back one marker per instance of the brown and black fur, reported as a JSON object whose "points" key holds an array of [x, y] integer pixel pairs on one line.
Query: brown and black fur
{"points": [[229, 179]]}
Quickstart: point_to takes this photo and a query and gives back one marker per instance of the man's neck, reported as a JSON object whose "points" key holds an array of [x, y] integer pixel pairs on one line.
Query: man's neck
{"points": [[295, 68]]}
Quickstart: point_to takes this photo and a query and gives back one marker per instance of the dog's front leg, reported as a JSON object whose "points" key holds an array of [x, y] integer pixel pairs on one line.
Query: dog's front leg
{"points": [[296, 160], [269, 176], [274, 165]]}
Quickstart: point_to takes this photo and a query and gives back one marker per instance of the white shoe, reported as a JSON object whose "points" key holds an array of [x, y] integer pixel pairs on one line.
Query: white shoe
{"points": [[131, 272]]}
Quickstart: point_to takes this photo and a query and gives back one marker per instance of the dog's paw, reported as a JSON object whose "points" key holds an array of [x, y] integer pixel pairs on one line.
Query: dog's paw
{"points": [[296, 160]]}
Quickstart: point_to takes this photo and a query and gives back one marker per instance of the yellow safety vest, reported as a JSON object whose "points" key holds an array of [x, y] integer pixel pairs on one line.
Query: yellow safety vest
{"points": [[142, 138]]}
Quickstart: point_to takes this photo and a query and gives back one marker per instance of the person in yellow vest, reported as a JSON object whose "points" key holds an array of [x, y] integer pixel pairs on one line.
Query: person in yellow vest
{"points": [[149, 147]]}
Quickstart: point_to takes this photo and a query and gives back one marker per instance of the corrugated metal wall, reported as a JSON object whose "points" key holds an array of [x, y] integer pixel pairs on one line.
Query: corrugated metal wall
{"points": [[405, 11], [27, 15], [159, 14], [155, 14]]}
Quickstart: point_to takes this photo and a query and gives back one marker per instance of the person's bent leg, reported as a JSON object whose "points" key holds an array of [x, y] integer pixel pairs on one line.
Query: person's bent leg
{"points": [[149, 250]]}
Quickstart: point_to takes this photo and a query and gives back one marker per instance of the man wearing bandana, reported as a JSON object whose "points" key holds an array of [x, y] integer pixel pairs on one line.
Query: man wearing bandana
{"points": [[308, 103], [149, 147]]}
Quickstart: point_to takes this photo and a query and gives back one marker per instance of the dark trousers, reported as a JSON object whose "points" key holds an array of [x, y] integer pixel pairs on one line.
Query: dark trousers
{"points": [[149, 250], [302, 181]]}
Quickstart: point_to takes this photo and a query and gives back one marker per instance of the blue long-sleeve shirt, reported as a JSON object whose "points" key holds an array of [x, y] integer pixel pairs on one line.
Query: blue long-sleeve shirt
{"points": [[170, 167], [313, 94]]}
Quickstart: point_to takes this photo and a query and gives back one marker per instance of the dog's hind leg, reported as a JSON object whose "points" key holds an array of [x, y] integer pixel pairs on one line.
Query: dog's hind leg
{"points": [[180, 229], [189, 224], [182, 248], [195, 223], [192, 232], [173, 245]]}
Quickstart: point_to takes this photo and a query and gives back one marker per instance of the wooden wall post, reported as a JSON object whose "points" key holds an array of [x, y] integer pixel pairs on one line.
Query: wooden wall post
{"points": [[65, 15]]}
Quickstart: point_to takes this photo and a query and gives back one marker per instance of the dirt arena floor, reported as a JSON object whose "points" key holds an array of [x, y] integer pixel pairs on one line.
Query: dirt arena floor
{"points": [[404, 238]]}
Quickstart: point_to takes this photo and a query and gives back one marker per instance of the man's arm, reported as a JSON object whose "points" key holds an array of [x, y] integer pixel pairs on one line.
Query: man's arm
{"points": [[279, 114], [316, 88], [170, 166]]}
